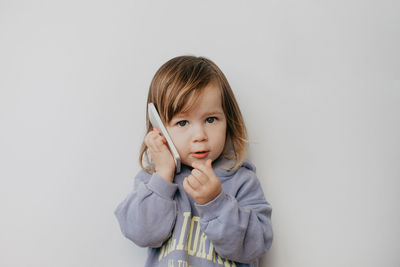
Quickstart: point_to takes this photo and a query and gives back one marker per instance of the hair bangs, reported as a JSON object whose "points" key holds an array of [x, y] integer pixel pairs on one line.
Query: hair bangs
{"points": [[184, 91]]}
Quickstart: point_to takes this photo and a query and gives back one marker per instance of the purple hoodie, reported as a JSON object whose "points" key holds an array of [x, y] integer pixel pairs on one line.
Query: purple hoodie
{"points": [[234, 229]]}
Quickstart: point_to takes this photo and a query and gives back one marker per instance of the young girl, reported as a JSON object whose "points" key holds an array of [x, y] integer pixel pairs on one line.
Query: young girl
{"points": [[212, 213]]}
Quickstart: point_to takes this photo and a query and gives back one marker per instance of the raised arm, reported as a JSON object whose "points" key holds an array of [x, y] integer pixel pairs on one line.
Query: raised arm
{"points": [[147, 216], [239, 224]]}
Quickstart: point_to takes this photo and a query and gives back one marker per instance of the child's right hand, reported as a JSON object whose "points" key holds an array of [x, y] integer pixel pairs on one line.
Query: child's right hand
{"points": [[160, 154]]}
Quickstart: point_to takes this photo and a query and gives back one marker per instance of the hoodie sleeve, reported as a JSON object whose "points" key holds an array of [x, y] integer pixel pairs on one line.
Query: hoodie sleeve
{"points": [[147, 216], [239, 225]]}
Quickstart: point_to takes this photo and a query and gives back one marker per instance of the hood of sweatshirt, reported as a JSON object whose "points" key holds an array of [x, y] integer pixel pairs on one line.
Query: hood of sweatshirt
{"points": [[222, 167]]}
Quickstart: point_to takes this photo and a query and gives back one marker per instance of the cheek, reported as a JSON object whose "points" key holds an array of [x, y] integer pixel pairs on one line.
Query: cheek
{"points": [[179, 145], [220, 137], [222, 140], [177, 139]]}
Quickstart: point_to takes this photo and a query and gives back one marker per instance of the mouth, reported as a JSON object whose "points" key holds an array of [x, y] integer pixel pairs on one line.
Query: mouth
{"points": [[200, 154]]}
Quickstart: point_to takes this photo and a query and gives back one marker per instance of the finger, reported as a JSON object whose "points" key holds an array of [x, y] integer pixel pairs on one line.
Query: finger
{"points": [[204, 168], [151, 135], [197, 164], [158, 140], [152, 147], [193, 181], [156, 130], [209, 163], [150, 141], [155, 142], [200, 177], [188, 188], [157, 133], [148, 138]]}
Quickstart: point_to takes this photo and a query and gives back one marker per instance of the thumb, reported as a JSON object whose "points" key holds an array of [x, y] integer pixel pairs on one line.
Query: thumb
{"points": [[205, 168], [209, 163], [211, 172]]}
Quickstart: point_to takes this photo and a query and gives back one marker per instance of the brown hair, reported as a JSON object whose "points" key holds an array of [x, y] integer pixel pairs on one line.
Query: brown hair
{"points": [[179, 82]]}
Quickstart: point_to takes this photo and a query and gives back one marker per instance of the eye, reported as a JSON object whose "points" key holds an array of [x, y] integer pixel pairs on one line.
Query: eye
{"points": [[182, 123], [211, 119]]}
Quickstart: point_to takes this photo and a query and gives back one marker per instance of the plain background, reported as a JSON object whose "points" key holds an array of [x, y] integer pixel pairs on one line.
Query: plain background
{"points": [[318, 83]]}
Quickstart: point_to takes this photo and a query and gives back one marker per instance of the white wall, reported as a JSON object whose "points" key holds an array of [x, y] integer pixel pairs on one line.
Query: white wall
{"points": [[318, 83]]}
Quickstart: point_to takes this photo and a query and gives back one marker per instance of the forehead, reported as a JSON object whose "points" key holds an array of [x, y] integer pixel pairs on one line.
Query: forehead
{"points": [[208, 100]]}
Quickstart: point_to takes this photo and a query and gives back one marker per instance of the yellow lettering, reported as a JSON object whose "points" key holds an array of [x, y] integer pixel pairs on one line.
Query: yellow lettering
{"points": [[186, 216], [192, 248], [161, 253], [201, 253], [219, 259], [171, 245], [167, 247], [183, 263], [210, 252]]}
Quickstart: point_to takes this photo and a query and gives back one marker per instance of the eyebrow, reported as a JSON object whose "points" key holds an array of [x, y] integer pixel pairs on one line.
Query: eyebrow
{"points": [[214, 112]]}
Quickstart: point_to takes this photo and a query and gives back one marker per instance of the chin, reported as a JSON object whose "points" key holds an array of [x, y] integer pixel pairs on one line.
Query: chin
{"points": [[190, 161]]}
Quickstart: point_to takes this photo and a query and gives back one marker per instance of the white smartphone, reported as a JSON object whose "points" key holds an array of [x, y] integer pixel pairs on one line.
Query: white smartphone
{"points": [[157, 123]]}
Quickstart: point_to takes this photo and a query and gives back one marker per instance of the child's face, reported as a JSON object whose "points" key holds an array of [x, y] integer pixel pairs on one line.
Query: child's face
{"points": [[200, 134]]}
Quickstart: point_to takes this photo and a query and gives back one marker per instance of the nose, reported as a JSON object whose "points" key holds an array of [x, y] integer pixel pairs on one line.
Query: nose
{"points": [[199, 134]]}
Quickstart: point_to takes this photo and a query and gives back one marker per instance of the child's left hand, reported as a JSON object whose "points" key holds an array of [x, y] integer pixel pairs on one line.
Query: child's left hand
{"points": [[202, 184]]}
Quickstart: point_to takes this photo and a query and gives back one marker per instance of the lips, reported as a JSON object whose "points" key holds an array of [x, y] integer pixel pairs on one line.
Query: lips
{"points": [[200, 154]]}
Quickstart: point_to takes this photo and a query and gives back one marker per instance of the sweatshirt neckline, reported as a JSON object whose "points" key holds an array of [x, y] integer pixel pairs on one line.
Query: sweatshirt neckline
{"points": [[220, 167]]}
